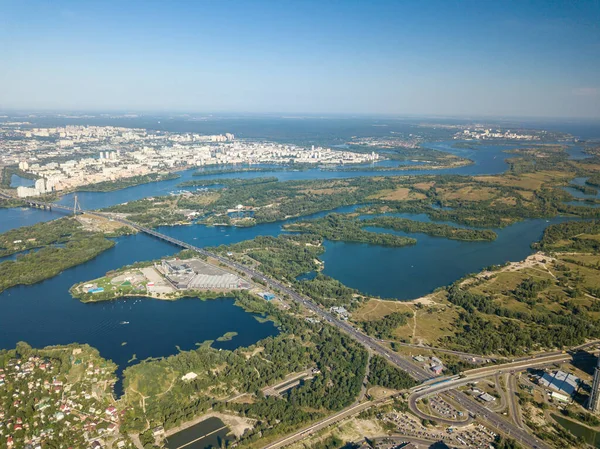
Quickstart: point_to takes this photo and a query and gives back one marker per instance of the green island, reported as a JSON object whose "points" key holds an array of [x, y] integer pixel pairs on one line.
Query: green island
{"points": [[227, 336], [228, 182], [60, 244], [349, 229], [340, 227], [431, 158]]}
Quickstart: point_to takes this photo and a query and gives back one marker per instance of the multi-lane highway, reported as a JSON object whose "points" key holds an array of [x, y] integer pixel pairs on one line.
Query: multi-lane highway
{"points": [[496, 421], [449, 386]]}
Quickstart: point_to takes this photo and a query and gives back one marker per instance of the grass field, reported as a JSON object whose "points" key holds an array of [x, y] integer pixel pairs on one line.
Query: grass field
{"points": [[428, 324], [399, 194]]}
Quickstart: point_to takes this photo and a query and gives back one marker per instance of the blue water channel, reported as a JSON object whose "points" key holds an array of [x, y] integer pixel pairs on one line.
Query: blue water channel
{"points": [[45, 314], [581, 196]]}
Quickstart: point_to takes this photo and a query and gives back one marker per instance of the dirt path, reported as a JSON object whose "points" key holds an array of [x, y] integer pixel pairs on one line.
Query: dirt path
{"points": [[143, 405], [533, 261], [414, 329], [363, 388]]}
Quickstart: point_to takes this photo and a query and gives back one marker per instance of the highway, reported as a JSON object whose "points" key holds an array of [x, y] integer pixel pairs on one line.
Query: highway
{"points": [[449, 386], [451, 383], [513, 406], [497, 422], [476, 357], [354, 409]]}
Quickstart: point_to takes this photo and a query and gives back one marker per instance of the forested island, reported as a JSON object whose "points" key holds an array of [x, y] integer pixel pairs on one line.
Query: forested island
{"points": [[340, 227], [350, 229], [60, 244]]}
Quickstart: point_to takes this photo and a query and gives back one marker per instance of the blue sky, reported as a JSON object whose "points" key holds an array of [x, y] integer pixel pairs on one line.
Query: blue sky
{"points": [[499, 58]]}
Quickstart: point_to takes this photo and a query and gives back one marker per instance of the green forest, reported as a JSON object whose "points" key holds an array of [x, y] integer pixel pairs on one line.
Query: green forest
{"points": [[62, 244]]}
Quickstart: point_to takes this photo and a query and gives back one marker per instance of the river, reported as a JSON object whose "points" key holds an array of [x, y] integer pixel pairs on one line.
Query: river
{"points": [[45, 314]]}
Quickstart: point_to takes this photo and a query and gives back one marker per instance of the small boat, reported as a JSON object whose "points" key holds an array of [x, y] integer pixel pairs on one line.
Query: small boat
{"points": [[124, 322]]}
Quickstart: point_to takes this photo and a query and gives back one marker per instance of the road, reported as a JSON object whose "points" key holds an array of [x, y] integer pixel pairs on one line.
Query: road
{"points": [[513, 405], [497, 421], [465, 355], [480, 411], [354, 409]]}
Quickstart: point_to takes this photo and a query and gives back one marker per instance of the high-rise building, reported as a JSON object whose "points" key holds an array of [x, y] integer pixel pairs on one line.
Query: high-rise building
{"points": [[594, 403], [40, 186]]}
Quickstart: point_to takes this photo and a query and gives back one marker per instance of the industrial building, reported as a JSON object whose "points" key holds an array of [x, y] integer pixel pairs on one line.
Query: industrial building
{"points": [[267, 296], [594, 403], [561, 382], [197, 274]]}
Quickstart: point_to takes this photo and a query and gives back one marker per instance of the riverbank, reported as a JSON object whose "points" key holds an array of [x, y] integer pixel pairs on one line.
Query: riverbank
{"points": [[59, 245], [166, 279]]}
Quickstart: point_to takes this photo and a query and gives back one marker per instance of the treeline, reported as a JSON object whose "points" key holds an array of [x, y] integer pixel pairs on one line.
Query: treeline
{"points": [[37, 266], [594, 180], [385, 375], [527, 291], [38, 235], [385, 327], [514, 332], [433, 229], [328, 292], [585, 189], [283, 257], [109, 186], [338, 227], [228, 182], [340, 360], [528, 160], [483, 214], [556, 234], [288, 256]]}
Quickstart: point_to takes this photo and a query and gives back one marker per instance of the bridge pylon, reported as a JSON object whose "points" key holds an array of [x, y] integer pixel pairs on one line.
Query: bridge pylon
{"points": [[77, 207]]}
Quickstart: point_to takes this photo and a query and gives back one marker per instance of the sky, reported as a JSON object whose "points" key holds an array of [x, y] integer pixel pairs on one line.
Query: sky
{"points": [[429, 57]]}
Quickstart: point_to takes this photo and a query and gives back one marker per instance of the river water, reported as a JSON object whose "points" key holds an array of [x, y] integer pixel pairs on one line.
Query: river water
{"points": [[45, 314]]}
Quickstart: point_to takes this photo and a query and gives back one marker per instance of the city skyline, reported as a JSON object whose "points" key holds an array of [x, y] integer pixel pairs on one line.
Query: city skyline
{"points": [[517, 59]]}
